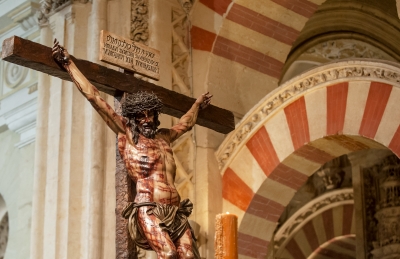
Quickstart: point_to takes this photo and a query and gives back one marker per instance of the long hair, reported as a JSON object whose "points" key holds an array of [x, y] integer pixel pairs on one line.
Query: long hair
{"points": [[135, 128], [137, 103]]}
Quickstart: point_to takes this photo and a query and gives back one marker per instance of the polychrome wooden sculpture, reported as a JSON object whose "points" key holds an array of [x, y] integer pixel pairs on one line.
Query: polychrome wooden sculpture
{"points": [[157, 217]]}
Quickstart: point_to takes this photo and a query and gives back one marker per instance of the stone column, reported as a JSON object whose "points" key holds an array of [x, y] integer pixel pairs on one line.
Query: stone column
{"points": [[358, 204], [119, 13], [98, 146], [365, 169], [387, 244], [74, 187], [169, 31], [40, 169]]}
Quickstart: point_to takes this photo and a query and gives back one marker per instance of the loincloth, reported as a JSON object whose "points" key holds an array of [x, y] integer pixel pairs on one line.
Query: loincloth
{"points": [[173, 219]]}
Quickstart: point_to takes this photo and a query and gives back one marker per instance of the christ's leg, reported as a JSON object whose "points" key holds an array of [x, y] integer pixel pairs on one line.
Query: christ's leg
{"points": [[158, 239], [184, 245]]}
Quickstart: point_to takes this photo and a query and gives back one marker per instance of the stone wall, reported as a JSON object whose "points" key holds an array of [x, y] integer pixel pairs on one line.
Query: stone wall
{"points": [[18, 104], [16, 187]]}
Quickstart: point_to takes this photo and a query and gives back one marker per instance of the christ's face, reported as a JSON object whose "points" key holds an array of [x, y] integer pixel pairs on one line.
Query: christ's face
{"points": [[146, 125]]}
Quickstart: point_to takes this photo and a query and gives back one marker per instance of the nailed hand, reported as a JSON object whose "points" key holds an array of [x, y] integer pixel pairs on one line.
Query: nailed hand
{"points": [[60, 54], [204, 100]]}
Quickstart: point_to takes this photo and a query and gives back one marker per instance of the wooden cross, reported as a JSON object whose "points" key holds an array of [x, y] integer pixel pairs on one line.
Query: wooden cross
{"points": [[38, 57]]}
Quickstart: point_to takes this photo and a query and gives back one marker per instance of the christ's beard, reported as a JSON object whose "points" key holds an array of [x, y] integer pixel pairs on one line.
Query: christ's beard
{"points": [[148, 132]]}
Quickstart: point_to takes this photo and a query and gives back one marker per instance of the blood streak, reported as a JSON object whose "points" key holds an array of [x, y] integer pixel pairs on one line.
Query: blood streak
{"points": [[144, 166]]}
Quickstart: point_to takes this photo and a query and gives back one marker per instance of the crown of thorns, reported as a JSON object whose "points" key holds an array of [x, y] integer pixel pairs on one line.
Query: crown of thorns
{"points": [[140, 102]]}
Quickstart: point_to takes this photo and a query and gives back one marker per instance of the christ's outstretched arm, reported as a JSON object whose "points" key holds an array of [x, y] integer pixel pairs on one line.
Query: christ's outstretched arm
{"points": [[187, 121], [113, 120]]}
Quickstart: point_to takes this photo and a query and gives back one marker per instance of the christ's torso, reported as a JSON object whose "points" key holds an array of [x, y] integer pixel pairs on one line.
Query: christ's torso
{"points": [[150, 163]]}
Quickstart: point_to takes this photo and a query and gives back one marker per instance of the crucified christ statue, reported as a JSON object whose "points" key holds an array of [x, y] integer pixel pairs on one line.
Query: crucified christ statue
{"points": [[157, 217]]}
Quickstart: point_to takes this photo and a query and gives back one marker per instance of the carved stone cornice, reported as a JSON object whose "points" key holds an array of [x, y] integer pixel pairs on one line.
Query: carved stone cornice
{"points": [[366, 70], [337, 49], [308, 212], [22, 120], [49, 7], [25, 15]]}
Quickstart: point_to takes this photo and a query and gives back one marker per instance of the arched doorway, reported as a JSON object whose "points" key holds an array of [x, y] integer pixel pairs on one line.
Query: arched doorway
{"points": [[328, 112], [341, 209]]}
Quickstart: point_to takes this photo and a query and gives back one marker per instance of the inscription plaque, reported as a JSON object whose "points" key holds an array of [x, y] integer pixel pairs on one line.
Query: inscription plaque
{"points": [[127, 54]]}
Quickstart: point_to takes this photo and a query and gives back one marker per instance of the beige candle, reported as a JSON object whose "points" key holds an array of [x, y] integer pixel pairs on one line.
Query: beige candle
{"points": [[226, 236]]}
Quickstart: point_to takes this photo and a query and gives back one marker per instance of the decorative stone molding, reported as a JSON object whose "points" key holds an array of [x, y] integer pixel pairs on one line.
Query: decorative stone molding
{"points": [[25, 14], [29, 23], [346, 48], [186, 5], [22, 120], [387, 244], [140, 25], [49, 7], [389, 251], [308, 212], [372, 23], [367, 70], [14, 75], [388, 227], [18, 103], [140, 21], [180, 51], [381, 185]]}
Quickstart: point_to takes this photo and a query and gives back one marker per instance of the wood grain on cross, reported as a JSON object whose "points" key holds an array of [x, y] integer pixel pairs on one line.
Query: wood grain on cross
{"points": [[38, 57]]}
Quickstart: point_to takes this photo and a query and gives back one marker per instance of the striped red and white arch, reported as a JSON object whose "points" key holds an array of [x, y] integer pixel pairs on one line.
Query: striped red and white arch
{"points": [[276, 157], [323, 227], [265, 169], [248, 34]]}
